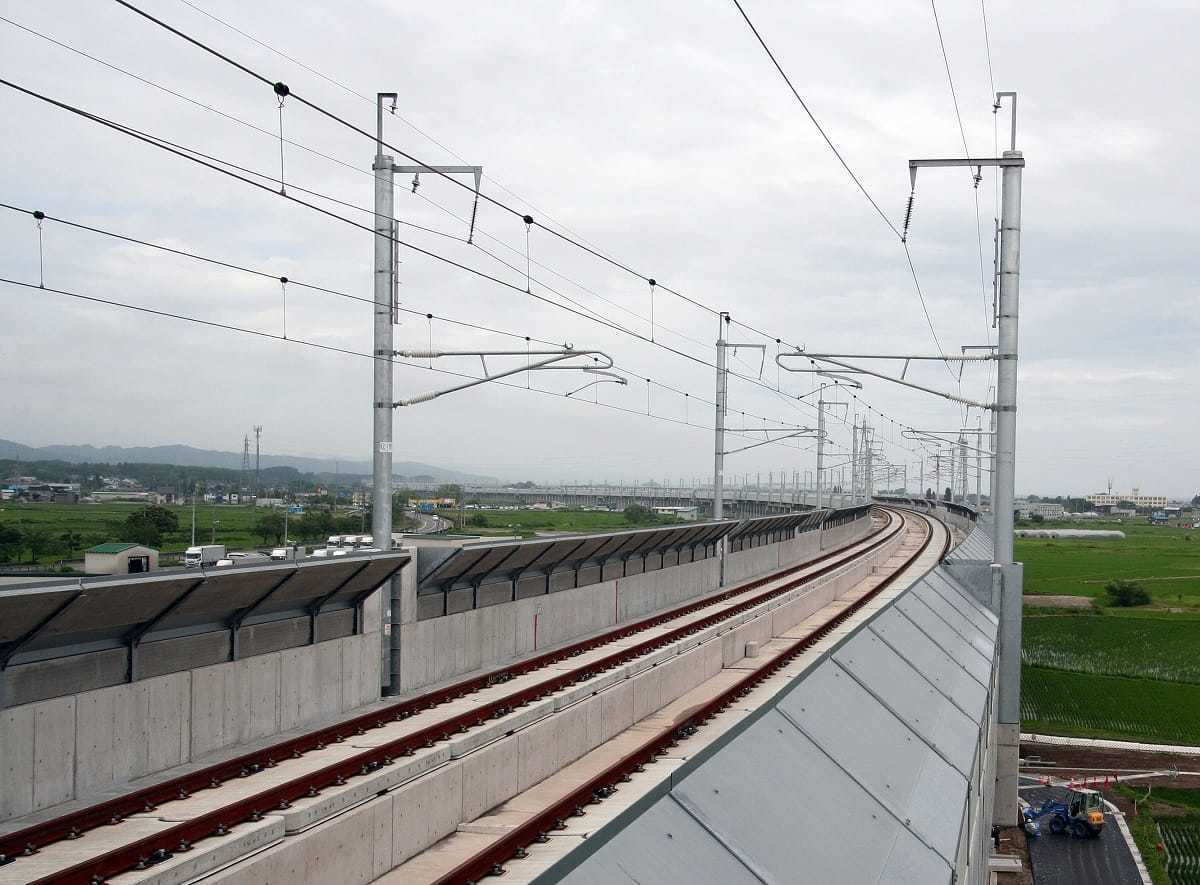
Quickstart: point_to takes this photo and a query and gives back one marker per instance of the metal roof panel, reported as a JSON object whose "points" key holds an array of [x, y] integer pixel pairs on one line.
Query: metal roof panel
{"points": [[886, 757], [791, 813], [940, 582], [923, 653], [962, 625], [974, 661], [906, 691], [666, 845]]}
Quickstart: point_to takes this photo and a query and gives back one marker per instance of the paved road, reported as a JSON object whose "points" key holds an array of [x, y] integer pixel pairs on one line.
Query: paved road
{"points": [[428, 523], [1065, 860]]}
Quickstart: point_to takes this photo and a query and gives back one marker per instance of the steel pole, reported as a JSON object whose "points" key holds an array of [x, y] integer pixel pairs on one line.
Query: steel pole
{"points": [[820, 445], [854, 463], [979, 473], [962, 466], [1006, 369], [992, 473], [719, 433], [381, 454], [1008, 708]]}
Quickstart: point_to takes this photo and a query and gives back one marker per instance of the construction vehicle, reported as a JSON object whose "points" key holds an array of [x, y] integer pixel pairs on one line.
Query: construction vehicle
{"points": [[1081, 814]]}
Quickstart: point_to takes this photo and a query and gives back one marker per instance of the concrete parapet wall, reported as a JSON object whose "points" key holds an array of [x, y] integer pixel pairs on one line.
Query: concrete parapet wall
{"points": [[69, 747], [842, 534], [745, 564], [435, 650], [438, 649]]}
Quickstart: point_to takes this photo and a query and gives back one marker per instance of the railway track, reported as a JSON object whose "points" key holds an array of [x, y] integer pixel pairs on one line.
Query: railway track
{"points": [[107, 839], [537, 829]]}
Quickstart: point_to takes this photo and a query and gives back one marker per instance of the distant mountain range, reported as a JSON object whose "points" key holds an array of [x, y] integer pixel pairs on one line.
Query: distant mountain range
{"points": [[187, 456]]}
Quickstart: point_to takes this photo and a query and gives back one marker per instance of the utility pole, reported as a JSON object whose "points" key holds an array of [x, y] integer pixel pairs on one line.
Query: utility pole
{"points": [[979, 468], [381, 448], [869, 487], [719, 441], [820, 444], [992, 474], [854, 462], [386, 261], [962, 465], [1012, 577]]}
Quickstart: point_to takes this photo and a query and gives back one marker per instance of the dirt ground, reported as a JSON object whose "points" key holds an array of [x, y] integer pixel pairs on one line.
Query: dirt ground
{"points": [[1092, 762], [1039, 601], [1075, 759], [1012, 841]]}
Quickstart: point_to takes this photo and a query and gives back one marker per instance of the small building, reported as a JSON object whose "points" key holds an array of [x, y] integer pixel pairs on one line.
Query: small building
{"points": [[1044, 509], [119, 559], [678, 512]]}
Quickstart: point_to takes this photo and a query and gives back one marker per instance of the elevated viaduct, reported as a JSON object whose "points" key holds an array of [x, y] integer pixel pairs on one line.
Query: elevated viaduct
{"points": [[390, 715]]}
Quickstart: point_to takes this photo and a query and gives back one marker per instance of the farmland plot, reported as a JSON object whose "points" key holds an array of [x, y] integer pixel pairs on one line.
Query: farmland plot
{"points": [[1088, 705]]}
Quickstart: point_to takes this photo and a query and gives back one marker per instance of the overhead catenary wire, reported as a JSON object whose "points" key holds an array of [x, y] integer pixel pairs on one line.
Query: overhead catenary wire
{"points": [[215, 165], [902, 236], [164, 144], [228, 327], [307, 148], [183, 253], [595, 250], [837, 153], [286, 280], [373, 137], [371, 101]]}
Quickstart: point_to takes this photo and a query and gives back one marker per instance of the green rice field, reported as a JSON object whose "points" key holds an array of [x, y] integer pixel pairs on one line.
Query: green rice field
{"points": [[1089, 705], [1115, 644], [1165, 560], [1167, 831], [1122, 673], [91, 524], [1181, 843]]}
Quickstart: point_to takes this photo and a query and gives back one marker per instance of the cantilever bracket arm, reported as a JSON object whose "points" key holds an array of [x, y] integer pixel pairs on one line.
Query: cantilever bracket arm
{"points": [[766, 442], [841, 364], [552, 361], [609, 378], [927, 436]]}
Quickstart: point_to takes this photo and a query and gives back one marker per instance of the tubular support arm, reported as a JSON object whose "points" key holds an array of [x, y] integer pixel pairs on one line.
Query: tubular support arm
{"points": [[825, 358], [553, 357]]}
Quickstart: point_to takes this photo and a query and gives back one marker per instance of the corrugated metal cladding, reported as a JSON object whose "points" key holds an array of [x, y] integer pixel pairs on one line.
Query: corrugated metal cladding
{"points": [[867, 769], [978, 544]]}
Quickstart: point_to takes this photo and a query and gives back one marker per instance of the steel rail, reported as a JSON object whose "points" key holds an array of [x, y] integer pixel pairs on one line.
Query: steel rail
{"points": [[180, 838], [514, 844]]}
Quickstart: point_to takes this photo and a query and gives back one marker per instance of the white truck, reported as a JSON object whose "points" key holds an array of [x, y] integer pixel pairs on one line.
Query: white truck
{"points": [[203, 555]]}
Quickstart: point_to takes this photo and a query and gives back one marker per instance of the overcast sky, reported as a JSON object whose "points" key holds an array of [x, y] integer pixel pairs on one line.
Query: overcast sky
{"points": [[662, 135]]}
